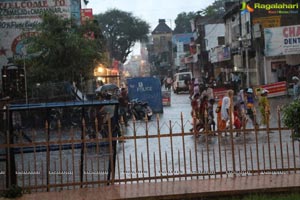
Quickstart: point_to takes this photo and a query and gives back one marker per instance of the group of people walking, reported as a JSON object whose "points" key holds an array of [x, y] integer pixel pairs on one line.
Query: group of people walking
{"points": [[234, 110]]}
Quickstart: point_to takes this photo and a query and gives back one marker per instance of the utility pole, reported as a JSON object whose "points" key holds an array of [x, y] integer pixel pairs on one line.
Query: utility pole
{"points": [[172, 59], [247, 66], [25, 79]]}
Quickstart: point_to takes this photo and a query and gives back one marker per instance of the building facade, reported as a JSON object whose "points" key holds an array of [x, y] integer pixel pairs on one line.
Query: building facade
{"points": [[263, 39], [161, 50]]}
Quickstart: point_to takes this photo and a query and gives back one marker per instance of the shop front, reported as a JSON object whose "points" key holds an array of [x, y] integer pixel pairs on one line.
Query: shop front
{"points": [[282, 53]]}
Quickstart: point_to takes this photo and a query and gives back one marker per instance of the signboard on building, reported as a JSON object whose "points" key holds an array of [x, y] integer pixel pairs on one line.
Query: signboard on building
{"points": [[19, 19], [219, 54], [283, 40], [86, 15], [185, 38], [270, 7], [267, 22]]}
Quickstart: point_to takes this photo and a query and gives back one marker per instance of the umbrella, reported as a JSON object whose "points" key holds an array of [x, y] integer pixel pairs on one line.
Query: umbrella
{"points": [[107, 87]]}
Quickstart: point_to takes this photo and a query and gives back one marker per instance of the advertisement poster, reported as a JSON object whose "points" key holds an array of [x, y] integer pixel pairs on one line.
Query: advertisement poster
{"points": [[219, 54], [18, 19], [283, 40]]}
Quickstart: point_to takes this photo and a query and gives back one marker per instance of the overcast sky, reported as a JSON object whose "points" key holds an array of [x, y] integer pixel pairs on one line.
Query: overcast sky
{"points": [[151, 10]]}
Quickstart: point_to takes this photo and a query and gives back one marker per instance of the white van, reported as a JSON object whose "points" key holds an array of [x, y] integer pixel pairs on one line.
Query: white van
{"points": [[180, 81]]}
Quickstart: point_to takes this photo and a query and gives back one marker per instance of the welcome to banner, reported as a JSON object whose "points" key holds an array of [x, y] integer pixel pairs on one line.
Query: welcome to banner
{"points": [[19, 19]]}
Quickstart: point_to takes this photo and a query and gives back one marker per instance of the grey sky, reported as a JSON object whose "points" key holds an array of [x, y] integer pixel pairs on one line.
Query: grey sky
{"points": [[151, 10]]}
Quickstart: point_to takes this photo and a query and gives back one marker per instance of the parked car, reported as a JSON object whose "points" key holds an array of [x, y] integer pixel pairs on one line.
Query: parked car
{"points": [[181, 80]]}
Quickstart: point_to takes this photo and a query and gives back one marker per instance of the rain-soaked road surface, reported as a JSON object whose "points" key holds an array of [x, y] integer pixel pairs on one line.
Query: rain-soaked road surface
{"points": [[255, 150]]}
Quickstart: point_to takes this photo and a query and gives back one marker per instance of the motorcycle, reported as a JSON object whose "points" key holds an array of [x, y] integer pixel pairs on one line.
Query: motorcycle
{"points": [[140, 109]]}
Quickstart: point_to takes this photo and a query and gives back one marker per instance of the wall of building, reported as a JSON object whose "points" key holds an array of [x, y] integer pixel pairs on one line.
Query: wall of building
{"points": [[160, 42], [212, 32]]}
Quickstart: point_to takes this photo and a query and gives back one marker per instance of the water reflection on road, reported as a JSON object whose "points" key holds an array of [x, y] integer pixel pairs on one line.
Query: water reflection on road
{"points": [[204, 152]]}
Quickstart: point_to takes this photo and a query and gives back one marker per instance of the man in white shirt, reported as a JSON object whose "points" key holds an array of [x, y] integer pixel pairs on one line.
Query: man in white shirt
{"points": [[227, 107]]}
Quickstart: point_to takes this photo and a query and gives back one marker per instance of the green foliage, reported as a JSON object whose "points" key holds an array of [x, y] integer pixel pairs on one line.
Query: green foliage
{"points": [[183, 24], [13, 192], [291, 113], [121, 30], [217, 7], [182, 21], [63, 51]]}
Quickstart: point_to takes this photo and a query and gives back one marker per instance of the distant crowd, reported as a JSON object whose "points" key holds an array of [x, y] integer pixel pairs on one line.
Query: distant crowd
{"points": [[231, 112]]}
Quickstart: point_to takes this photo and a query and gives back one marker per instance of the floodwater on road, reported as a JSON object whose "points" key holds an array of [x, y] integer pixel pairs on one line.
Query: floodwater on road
{"points": [[265, 149], [164, 146]]}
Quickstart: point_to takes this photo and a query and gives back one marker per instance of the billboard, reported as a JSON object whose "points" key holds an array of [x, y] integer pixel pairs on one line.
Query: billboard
{"points": [[268, 22], [284, 40], [219, 54], [19, 18], [86, 15]]}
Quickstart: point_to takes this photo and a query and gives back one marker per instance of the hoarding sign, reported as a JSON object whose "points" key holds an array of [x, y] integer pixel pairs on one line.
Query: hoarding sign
{"points": [[219, 54], [19, 19], [86, 15], [268, 22], [283, 40]]}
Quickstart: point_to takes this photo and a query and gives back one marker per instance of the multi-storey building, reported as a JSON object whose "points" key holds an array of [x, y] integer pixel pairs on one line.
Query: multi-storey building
{"points": [[160, 51], [263, 37]]}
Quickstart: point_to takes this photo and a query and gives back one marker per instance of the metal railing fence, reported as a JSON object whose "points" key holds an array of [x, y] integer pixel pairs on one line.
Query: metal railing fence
{"points": [[38, 157]]}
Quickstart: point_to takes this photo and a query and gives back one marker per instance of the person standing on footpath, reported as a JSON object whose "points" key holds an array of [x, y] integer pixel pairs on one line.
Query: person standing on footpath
{"points": [[202, 109], [123, 105], [191, 87], [264, 108], [250, 106], [227, 109], [195, 110], [210, 110], [241, 105], [220, 126], [296, 87], [196, 88]]}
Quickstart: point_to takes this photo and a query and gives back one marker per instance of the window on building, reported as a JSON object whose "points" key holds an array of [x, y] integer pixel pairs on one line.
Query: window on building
{"points": [[221, 40]]}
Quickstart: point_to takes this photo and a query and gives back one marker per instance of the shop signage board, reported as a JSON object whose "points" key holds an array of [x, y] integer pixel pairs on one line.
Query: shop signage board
{"points": [[283, 40], [19, 19]]}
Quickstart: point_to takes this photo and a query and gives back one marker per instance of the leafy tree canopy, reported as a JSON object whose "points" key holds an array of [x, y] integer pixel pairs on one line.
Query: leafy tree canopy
{"points": [[217, 7], [183, 22], [65, 51], [121, 30]]}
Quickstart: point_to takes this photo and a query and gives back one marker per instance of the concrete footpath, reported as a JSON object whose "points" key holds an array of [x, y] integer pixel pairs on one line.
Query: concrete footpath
{"points": [[180, 189]]}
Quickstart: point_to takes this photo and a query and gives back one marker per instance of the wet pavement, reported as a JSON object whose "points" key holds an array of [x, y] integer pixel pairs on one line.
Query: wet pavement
{"points": [[190, 189], [168, 156], [204, 154]]}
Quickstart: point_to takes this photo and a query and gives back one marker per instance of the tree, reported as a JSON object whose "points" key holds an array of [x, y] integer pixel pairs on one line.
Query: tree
{"points": [[66, 51], [183, 22], [121, 31], [217, 8]]}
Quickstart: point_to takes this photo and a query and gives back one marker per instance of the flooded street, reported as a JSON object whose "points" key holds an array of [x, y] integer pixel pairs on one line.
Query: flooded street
{"points": [[210, 155], [160, 149]]}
